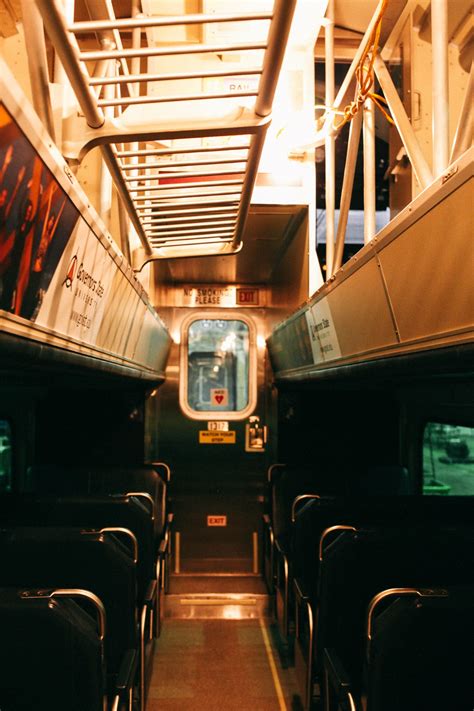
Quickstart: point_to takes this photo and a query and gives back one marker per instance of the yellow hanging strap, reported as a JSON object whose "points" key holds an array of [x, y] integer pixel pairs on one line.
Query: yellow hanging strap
{"points": [[365, 80]]}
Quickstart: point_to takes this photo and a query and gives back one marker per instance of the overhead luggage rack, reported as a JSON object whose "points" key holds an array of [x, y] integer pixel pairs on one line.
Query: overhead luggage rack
{"points": [[182, 147]]}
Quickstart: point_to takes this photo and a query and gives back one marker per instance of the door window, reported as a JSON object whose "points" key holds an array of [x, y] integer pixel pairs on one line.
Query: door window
{"points": [[218, 368]]}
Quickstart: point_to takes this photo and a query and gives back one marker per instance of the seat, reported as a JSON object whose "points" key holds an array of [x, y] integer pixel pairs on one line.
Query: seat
{"points": [[45, 558], [94, 512], [320, 516], [361, 563], [286, 484], [124, 515], [420, 652], [51, 653], [145, 482]]}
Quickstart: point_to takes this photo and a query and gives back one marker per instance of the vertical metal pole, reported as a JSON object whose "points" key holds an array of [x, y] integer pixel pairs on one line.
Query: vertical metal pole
{"points": [[105, 203], [37, 64], [439, 43], [402, 122], [136, 43], [369, 170], [464, 131], [330, 141], [124, 224], [135, 69], [60, 76], [277, 37], [347, 185], [177, 552], [255, 552]]}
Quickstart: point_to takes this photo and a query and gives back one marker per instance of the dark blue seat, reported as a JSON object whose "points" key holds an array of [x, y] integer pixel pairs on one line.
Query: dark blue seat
{"points": [[50, 654], [145, 482], [45, 558], [94, 512], [287, 483], [420, 654], [361, 563], [320, 515]]}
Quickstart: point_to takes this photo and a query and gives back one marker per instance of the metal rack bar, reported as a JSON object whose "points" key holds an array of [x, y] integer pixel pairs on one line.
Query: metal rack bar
{"points": [[188, 201], [144, 22], [189, 220], [178, 76], [198, 242], [94, 55], [135, 100], [180, 164], [188, 186], [175, 208], [178, 151], [163, 208], [169, 229], [179, 176]]}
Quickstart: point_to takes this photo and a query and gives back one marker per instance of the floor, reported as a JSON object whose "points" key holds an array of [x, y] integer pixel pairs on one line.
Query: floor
{"points": [[220, 651]]}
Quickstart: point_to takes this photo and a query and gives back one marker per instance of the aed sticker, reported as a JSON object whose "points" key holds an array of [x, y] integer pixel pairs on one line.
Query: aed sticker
{"points": [[217, 520], [219, 397], [211, 437]]}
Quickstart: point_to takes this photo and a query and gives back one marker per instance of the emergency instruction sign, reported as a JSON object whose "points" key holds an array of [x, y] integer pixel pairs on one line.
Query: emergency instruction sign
{"points": [[210, 437], [219, 397]]}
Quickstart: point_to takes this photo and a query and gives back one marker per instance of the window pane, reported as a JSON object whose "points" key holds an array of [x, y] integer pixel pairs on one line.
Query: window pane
{"points": [[218, 365], [448, 460], [5, 456]]}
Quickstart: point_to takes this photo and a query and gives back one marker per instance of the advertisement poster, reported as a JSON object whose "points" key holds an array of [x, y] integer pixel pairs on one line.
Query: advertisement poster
{"points": [[36, 221]]}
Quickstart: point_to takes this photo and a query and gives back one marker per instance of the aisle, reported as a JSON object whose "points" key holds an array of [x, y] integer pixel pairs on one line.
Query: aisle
{"points": [[220, 665]]}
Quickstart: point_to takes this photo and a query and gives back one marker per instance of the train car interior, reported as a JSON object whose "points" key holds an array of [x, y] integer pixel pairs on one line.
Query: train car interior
{"points": [[236, 355]]}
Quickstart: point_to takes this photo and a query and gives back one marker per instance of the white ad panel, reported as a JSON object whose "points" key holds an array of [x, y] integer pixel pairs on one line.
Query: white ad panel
{"points": [[324, 340], [75, 301]]}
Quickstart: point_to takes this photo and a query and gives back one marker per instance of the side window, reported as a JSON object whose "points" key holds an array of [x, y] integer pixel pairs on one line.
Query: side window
{"points": [[448, 459], [217, 370], [5, 456]]}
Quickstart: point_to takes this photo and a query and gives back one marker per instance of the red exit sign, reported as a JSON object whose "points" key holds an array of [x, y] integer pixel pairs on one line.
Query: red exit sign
{"points": [[217, 520], [247, 297]]}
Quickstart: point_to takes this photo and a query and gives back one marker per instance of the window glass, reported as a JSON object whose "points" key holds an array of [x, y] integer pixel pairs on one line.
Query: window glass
{"points": [[218, 365], [5, 456], [448, 460]]}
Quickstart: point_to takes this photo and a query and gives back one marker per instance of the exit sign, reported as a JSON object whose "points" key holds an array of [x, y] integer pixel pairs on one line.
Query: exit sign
{"points": [[247, 297], [217, 520]]}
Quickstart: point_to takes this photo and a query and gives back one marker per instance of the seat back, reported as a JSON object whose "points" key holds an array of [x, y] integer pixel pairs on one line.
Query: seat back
{"points": [[384, 480], [359, 564], [100, 481], [421, 654], [318, 515], [290, 482], [93, 512], [50, 655], [72, 558]]}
